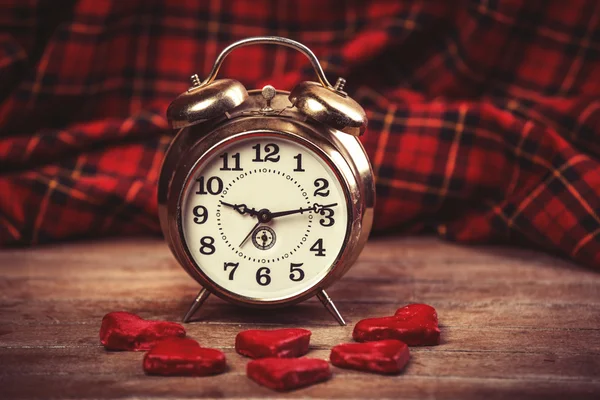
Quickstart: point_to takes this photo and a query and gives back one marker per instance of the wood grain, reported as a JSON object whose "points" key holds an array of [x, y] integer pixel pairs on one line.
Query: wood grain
{"points": [[515, 323], [486, 314], [94, 360]]}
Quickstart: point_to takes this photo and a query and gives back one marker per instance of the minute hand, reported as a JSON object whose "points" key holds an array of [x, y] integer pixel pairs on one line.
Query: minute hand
{"points": [[316, 208]]}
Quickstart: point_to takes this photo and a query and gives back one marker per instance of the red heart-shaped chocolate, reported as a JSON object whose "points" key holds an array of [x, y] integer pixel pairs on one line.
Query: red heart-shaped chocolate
{"points": [[183, 357], [415, 325], [384, 356], [258, 343], [121, 330], [288, 373]]}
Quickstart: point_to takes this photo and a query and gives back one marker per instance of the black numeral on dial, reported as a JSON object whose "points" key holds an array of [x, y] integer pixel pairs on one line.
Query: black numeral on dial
{"points": [[318, 248], [328, 220], [207, 245], [298, 163], [271, 153], [321, 184], [232, 272], [262, 276], [213, 185], [296, 273], [200, 214], [236, 162]]}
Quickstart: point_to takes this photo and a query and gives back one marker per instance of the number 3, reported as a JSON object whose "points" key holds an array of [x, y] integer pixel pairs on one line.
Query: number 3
{"points": [[329, 221]]}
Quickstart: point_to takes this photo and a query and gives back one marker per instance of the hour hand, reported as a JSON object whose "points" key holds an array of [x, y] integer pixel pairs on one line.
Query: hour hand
{"points": [[241, 208]]}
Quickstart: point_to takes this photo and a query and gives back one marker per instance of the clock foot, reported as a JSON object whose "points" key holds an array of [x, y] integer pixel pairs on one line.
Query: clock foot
{"points": [[200, 298], [326, 300]]}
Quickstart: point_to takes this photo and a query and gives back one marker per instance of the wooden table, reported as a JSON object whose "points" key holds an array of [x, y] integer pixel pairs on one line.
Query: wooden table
{"points": [[515, 323]]}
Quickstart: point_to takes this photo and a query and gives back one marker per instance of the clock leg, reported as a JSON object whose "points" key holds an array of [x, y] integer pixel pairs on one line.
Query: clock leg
{"points": [[326, 300], [201, 298]]}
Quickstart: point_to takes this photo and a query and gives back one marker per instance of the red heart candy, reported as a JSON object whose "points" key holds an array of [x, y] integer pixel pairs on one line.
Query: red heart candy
{"points": [[415, 325], [384, 356], [183, 357], [288, 373], [126, 331], [412, 311], [289, 342]]}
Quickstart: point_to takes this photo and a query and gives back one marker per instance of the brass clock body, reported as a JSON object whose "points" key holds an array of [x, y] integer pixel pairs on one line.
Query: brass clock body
{"points": [[215, 116]]}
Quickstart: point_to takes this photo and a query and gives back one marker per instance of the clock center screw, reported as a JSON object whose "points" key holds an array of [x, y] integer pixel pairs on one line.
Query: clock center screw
{"points": [[264, 216]]}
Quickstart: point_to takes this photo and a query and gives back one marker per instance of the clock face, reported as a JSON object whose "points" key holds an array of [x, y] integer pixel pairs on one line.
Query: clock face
{"points": [[264, 218]]}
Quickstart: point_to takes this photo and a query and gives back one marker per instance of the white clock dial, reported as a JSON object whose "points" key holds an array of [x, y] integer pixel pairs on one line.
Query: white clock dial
{"points": [[264, 218]]}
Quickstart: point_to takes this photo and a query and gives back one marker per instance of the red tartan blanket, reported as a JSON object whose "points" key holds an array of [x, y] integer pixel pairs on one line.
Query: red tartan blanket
{"points": [[484, 115]]}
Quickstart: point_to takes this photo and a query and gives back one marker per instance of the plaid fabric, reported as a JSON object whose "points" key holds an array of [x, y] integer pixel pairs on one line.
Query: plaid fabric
{"points": [[484, 115]]}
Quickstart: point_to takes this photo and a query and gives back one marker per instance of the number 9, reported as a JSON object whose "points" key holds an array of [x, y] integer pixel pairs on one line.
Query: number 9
{"points": [[200, 214]]}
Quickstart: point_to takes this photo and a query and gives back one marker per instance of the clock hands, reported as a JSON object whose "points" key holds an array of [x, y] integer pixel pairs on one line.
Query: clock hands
{"points": [[264, 215], [243, 210]]}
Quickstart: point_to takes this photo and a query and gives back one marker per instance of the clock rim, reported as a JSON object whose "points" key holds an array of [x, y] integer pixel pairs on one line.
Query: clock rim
{"points": [[322, 143]]}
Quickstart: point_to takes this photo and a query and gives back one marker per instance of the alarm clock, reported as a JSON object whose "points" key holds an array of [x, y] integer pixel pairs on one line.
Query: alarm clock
{"points": [[266, 197]]}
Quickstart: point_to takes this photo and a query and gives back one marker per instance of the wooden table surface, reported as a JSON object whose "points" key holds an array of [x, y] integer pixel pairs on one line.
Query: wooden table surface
{"points": [[515, 323]]}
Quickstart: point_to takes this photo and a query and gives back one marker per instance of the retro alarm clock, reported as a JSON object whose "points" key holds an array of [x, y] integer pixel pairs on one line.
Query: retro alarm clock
{"points": [[266, 196]]}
